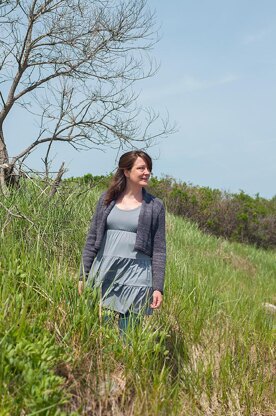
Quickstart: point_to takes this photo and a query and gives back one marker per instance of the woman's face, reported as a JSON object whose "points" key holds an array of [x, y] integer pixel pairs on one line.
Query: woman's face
{"points": [[139, 173]]}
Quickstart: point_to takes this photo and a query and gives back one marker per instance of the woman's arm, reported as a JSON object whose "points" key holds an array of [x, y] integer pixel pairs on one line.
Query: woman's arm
{"points": [[89, 251], [159, 252]]}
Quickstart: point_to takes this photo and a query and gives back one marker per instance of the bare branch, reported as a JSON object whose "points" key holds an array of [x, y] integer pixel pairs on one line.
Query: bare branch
{"points": [[2, 98], [18, 214], [46, 160], [57, 180]]}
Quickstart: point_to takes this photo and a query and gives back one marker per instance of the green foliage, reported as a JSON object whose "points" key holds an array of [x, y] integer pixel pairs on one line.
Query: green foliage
{"points": [[92, 181], [209, 350], [27, 372]]}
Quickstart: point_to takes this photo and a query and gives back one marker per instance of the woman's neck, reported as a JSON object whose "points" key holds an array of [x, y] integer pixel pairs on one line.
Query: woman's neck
{"points": [[134, 193]]}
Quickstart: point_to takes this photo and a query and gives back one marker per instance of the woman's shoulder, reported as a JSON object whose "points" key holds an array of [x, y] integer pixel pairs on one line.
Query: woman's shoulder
{"points": [[159, 206], [101, 198], [157, 202]]}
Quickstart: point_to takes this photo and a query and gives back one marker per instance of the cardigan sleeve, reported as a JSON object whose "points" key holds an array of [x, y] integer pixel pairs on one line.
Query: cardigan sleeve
{"points": [[159, 252], [89, 251]]}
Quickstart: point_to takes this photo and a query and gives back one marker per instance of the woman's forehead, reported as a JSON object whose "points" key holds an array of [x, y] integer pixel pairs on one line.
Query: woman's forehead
{"points": [[139, 161]]}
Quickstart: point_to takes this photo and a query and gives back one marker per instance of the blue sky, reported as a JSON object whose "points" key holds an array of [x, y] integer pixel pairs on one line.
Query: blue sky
{"points": [[217, 81]]}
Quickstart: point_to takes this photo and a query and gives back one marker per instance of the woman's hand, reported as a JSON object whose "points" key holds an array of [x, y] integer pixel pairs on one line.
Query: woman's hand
{"points": [[80, 287], [157, 299]]}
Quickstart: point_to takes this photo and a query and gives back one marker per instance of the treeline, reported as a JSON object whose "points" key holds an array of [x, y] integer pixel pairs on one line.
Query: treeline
{"points": [[235, 216]]}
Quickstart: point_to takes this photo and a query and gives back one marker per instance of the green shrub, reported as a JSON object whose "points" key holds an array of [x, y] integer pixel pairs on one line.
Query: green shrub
{"points": [[27, 372], [238, 217]]}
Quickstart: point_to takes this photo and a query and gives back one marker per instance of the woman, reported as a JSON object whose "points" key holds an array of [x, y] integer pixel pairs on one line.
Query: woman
{"points": [[125, 250]]}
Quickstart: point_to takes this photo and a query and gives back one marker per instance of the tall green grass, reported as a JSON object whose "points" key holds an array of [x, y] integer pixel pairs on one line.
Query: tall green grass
{"points": [[208, 351]]}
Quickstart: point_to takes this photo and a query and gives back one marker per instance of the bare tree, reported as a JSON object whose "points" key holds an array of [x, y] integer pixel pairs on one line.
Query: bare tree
{"points": [[73, 63]]}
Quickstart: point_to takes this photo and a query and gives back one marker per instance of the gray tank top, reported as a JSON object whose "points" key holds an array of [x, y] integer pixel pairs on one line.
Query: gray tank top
{"points": [[124, 220]]}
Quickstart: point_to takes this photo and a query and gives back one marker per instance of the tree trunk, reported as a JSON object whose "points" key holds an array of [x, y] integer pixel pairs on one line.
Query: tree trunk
{"points": [[4, 163]]}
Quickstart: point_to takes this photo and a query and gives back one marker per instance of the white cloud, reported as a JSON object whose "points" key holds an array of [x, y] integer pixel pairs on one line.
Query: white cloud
{"points": [[255, 37], [188, 83]]}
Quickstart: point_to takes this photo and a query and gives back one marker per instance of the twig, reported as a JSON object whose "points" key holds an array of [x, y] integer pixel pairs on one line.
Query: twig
{"points": [[45, 295], [20, 215]]}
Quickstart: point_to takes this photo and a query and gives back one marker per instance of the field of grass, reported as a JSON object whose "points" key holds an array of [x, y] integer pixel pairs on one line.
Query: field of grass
{"points": [[210, 350]]}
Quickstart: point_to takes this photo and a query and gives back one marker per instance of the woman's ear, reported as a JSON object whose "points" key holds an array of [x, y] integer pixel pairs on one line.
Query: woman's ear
{"points": [[126, 173]]}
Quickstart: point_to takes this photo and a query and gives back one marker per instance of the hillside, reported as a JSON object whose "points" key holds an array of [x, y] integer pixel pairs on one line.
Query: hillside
{"points": [[209, 351]]}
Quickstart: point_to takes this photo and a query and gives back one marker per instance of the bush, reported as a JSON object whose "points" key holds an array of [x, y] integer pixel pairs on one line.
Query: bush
{"points": [[28, 373], [238, 217]]}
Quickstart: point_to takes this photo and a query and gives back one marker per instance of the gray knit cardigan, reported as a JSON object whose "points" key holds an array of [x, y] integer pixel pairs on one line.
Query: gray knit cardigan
{"points": [[150, 237]]}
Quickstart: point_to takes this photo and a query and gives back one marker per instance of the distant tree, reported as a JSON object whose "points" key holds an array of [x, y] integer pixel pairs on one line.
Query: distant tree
{"points": [[72, 63]]}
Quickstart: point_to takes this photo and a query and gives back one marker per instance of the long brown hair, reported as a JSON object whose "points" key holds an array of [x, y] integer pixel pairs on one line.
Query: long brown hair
{"points": [[118, 182]]}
